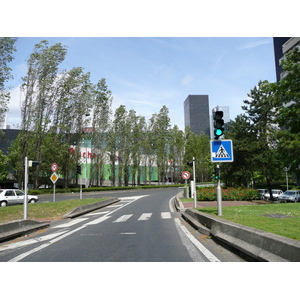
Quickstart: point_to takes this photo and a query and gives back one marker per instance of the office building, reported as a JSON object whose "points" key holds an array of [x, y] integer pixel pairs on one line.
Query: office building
{"points": [[196, 114], [278, 43]]}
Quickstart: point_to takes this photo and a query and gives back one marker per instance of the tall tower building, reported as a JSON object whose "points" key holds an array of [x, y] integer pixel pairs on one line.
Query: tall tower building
{"points": [[196, 113], [278, 53]]}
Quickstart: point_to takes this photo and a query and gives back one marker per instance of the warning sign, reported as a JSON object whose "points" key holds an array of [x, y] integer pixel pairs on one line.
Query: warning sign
{"points": [[221, 151]]}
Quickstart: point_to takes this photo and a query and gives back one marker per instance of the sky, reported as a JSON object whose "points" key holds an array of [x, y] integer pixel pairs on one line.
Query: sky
{"points": [[145, 73]]}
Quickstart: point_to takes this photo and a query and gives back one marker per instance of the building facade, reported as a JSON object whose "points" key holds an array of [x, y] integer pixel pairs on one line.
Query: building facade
{"points": [[196, 114]]}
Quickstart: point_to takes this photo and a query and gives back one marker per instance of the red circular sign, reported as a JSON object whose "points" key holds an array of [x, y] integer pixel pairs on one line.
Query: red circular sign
{"points": [[54, 167], [185, 175]]}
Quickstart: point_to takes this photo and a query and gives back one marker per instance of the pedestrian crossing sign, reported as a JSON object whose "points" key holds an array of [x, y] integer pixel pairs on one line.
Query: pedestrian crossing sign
{"points": [[221, 151]]}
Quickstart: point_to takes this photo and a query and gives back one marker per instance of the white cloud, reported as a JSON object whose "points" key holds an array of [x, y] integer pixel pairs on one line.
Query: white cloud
{"points": [[255, 44], [186, 80]]}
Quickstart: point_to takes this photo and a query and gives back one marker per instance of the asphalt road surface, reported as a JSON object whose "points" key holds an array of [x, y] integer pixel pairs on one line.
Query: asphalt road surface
{"points": [[142, 227]]}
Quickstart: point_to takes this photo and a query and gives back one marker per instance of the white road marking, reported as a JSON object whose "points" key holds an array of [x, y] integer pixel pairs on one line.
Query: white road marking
{"points": [[23, 255], [30, 241], [98, 213], [123, 218], [97, 221], [73, 222], [127, 233], [200, 247], [166, 215], [145, 217]]}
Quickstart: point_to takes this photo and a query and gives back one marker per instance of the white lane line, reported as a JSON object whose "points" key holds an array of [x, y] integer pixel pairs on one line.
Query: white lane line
{"points": [[127, 233], [200, 247], [30, 241], [123, 218], [165, 215], [73, 222], [145, 217]]}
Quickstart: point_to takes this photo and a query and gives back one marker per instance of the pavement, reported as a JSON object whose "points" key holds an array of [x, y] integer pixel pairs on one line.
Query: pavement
{"points": [[260, 245]]}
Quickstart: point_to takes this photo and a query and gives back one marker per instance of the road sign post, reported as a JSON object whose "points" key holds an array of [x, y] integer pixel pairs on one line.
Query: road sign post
{"points": [[221, 151], [25, 204], [54, 178], [186, 175]]}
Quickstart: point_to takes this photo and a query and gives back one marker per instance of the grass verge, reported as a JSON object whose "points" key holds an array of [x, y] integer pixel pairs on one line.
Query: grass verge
{"points": [[254, 216], [43, 211]]}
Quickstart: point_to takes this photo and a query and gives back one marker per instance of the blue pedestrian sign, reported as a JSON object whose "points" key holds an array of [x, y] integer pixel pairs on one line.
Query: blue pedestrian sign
{"points": [[221, 151]]}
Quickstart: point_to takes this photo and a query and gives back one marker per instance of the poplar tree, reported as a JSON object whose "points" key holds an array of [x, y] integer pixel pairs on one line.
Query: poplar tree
{"points": [[41, 91], [7, 47], [101, 113]]}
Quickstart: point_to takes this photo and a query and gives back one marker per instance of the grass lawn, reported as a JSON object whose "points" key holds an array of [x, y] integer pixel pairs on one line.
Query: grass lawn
{"points": [[42, 211], [253, 216]]}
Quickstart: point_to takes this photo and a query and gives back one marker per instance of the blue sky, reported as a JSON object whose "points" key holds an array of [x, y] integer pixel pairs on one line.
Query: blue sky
{"points": [[145, 73]]}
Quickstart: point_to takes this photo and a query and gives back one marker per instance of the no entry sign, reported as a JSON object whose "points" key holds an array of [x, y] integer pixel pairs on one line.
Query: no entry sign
{"points": [[185, 175], [54, 167]]}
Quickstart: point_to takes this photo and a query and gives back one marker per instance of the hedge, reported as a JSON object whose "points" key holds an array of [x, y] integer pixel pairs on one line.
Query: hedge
{"points": [[228, 194]]}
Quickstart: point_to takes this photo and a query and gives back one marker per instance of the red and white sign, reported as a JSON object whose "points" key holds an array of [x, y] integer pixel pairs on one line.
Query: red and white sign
{"points": [[54, 167], [185, 175]]}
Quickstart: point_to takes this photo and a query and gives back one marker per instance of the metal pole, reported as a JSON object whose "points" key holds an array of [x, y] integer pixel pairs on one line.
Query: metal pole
{"points": [[219, 193], [26, 189], [54, 193], [194, 174]]}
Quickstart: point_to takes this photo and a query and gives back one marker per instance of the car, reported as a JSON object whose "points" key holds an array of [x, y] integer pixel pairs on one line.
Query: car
{"points": [[290, 196], [12, 196], [275, 193], [262, 192]]}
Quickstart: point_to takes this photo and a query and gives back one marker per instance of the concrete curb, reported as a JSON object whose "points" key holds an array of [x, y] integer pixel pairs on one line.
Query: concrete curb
{"points": [[261, 245], [17, 228], [89, 207]]}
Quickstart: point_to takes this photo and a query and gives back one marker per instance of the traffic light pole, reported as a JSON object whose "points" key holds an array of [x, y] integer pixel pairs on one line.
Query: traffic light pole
{"points": [[195, 190], [219, 193]]}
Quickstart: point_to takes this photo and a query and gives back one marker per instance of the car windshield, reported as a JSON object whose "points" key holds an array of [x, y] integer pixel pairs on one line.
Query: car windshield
{"points": [[19, 193], [289, 193]]}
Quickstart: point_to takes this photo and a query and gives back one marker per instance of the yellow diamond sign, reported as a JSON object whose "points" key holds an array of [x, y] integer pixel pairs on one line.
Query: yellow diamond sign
{"points": [[54, 177]]}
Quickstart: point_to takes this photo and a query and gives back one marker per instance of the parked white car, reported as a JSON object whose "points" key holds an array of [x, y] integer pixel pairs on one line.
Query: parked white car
{"points": [[11, 196], [290, 196], [275, 193]]}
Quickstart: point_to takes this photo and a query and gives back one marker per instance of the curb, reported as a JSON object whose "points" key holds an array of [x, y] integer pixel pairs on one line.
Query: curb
{"points": [[17, 228], [261, 245], [77, 211]]}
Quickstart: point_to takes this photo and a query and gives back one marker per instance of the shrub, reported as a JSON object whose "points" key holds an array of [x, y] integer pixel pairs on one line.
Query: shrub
{"points": [[228, 194]]}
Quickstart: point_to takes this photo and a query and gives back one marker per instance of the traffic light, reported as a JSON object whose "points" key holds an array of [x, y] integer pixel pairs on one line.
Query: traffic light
{"points": [[78, 169], [190, 163], [217, 172], [218, 124], [32, 163]]}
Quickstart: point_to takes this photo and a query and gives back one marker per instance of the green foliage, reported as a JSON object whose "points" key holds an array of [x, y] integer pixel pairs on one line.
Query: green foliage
{"points": [[228, 194]]}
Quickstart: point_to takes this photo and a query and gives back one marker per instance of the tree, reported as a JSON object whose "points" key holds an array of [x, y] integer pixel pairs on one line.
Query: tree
{"points": [[7, 47], [41, 90], [101, 110], [161, 126], [260, 110], [177, 149], [70, 119], [288, 115]]}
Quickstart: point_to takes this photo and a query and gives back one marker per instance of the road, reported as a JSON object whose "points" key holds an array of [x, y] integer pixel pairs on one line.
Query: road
{"points": [[142, 227]]}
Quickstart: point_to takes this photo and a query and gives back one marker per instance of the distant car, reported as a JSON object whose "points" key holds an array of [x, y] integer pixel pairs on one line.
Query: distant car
{"points": [[11, 196], [290, 196], [262, 193], [275, 193]]}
